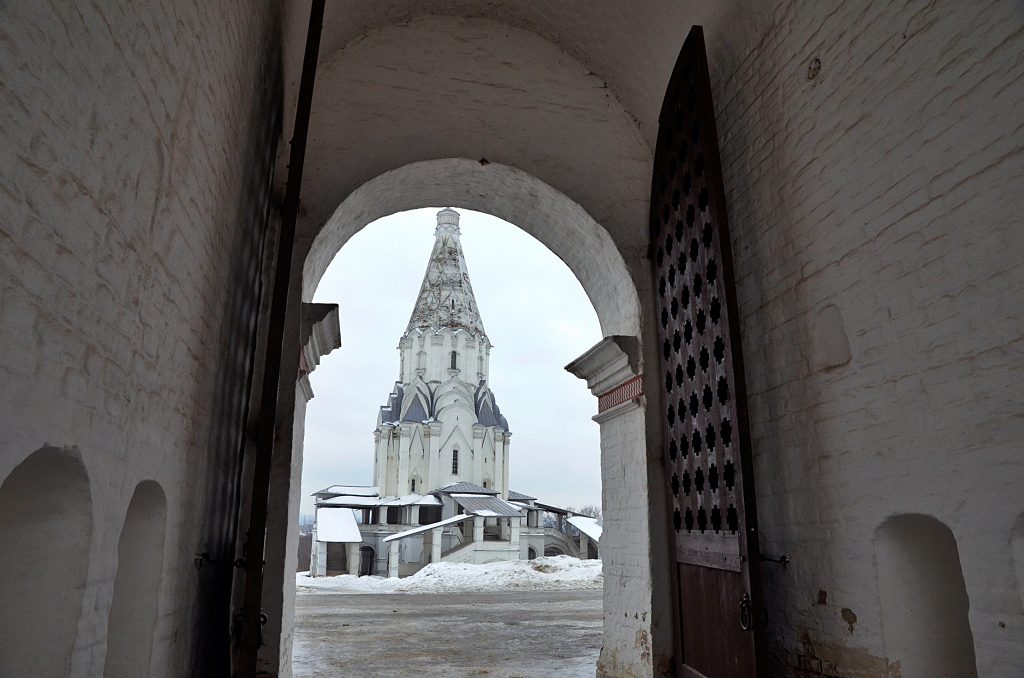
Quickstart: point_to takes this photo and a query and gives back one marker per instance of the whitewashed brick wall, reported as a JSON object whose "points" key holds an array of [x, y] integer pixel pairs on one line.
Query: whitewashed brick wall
{"points": [[132, 176], [888, 187]]}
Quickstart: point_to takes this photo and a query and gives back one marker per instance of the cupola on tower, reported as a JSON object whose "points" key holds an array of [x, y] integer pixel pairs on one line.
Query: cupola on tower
{"points": [[441, 424]]}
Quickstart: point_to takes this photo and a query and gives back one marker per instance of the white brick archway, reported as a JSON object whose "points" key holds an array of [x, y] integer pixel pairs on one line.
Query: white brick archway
{"points": [[586, 248]]}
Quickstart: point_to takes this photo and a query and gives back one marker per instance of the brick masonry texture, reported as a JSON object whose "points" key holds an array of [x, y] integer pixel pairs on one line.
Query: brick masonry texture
{"points": [[137, 145], [888, 185], [873, 167]]}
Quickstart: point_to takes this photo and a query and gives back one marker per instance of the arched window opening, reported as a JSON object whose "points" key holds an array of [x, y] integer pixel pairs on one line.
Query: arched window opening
{"points": [[925, 625], [455, 360], [455, 462], [133, 610], [412, 485], [45, 528]]}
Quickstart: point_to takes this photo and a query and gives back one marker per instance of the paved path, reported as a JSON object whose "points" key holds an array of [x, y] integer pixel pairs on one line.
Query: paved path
{"points": [[531, 634]]}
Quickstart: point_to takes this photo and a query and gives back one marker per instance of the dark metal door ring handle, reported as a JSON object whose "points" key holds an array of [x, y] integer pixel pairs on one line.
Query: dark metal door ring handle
{"points": [[746, 621]]}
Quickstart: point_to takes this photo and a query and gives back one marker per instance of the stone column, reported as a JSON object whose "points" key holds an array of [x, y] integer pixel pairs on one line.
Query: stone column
{"points": [[382, 515], [478, 528], [404, 452], [320, 547], [393, 559], [479, 467], [414, 514], [514, 533], [352, 557], [435, 544], [435, 465], [584, 546], [633, 539]]}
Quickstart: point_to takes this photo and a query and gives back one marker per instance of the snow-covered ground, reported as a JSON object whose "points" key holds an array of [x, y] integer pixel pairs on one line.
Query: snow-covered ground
{"points": [[541, 574]]}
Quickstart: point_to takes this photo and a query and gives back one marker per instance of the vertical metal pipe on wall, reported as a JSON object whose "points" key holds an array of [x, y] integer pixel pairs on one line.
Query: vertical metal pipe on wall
{"points": [[255, 545]]}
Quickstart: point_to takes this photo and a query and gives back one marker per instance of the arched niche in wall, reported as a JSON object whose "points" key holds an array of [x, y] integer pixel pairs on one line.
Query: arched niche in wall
{"points": [[924, 601], [45, 529], [133, 610]]}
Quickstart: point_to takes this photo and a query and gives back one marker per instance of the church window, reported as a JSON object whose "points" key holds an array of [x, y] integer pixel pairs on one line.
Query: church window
{"points": [[421, 360], [412, 484], [485, 484], [455, 360], [455, 462]]}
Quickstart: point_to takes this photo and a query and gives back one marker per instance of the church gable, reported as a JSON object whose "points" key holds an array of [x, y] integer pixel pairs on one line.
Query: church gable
{"points": [[456, 440], [454, 394], [417, 445], [417, 406], [487, 411]]}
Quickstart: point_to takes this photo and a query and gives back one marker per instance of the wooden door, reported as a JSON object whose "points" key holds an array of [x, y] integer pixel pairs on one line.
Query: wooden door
{"points": [[706, 435]]}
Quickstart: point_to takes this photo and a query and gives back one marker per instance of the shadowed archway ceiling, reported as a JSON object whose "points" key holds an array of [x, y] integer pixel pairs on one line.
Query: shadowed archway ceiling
{"points": [[568, 92]]}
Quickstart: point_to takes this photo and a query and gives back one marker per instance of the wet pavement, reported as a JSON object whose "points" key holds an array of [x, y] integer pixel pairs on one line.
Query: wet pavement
{"points": [[523, 634]]}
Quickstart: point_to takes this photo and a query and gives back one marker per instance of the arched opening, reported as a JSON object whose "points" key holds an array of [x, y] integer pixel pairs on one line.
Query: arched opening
{"points": [[336, 559], [366, 560], [924, 601], [505, 192], [553, 551], [475, 456], [45, 529], [140, 557]]}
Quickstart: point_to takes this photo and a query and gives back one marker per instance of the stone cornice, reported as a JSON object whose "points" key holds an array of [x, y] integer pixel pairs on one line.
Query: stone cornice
{"points": [[611, 369]]}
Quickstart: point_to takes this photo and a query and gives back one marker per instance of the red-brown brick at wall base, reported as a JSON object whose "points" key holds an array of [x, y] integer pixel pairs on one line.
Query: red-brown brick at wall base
{"points": [[628, 390]]}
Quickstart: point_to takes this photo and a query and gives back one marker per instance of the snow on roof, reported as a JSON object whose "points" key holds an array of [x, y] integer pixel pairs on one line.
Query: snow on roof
{"points": [[551, 509], [465, 487], [519, 496], [337, 525], [489, 507], [411, 499], [350, 501], [588, 526], [425, 528], [354, 490]]}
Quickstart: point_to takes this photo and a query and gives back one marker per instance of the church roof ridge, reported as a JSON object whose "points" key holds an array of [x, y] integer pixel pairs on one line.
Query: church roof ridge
{"points": [[446, 297]]}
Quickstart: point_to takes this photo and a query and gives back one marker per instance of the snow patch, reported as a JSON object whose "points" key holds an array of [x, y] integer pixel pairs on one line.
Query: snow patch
{"points": [[548, 573]]}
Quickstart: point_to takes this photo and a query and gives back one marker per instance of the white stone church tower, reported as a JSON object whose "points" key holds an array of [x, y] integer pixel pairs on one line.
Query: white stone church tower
{"points": [[441, 424]]}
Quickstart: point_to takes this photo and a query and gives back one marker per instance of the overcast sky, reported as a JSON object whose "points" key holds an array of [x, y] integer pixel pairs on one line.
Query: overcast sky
{"points": [[534, 312]]}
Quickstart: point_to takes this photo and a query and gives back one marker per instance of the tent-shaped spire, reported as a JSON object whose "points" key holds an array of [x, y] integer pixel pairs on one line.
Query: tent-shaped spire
{"points": [[446, 297]]}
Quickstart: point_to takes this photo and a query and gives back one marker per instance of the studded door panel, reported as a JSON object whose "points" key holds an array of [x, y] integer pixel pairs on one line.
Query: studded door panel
{"points": [[706, 437]]}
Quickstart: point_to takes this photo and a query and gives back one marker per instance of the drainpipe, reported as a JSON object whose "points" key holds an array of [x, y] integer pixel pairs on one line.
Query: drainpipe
{"points": [[255, 547]]}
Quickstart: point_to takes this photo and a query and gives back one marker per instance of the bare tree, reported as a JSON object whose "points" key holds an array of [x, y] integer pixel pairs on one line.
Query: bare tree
{"points": [[590, 510]]}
